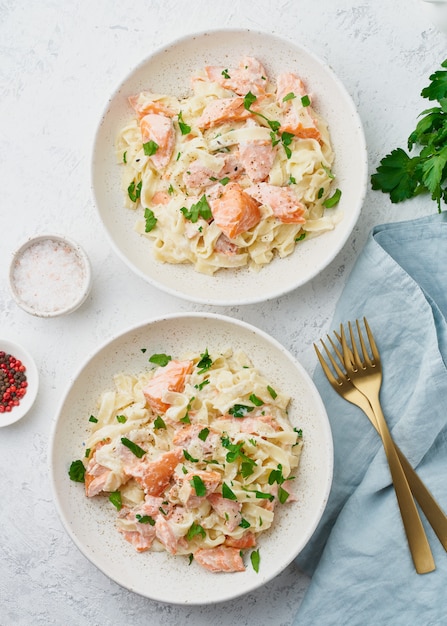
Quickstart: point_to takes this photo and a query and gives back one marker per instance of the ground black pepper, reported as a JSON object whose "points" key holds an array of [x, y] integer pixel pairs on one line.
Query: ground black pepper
{"points": [[13, 383]]}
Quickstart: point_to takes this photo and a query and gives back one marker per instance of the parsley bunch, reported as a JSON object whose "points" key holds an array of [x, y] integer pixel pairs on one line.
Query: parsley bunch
{"points": [[403, 176]]}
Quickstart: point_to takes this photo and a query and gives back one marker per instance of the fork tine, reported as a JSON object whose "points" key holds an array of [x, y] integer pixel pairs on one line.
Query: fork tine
{"points": [[355, 352], [339, 356], [372, 343], [366, 358], [324, 365]]}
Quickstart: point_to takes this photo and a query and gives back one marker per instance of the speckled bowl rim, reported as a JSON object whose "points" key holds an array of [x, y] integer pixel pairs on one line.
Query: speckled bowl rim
{"points": [[167, 70], [32, 377], [90, 523], [81, 255]]}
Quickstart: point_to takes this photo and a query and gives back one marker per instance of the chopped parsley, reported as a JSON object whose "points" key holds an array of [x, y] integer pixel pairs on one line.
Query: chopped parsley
{"points": [[255, 560], [240, 410], [150, 148], [134, 191], [195, 529], [272, 392], [333, 200], [133, 447], [159, 422], [115, 499], [256, 401], [160, 359], [199, 486], [77, 471], [203, 434], [289, 96], [125, 157], [185, 129], [150, 220], [205, 362], [145, 519], [305, 101], [122, 419], [199, 209], [225, 74], [93, 419], [227, 492], [188, 457]]}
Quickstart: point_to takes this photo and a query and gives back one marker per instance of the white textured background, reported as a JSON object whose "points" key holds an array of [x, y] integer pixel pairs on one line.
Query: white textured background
{"points": [[59, 62]]}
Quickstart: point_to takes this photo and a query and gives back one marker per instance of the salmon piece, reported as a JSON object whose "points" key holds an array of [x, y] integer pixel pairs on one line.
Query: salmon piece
{"points": [[299, 122], [142, 104], [223, 110], [250, 75], [220, 559], [189, 434], [159, 129], [248, 540], [160, 197], [144, 534], [286, 83], [229, 510], [165, 534], [169, 378], [257, 159], [141, 539], [225, 246], [235, 211], [253, 425], [155, 476], [297, 119], [210, 479], [96, 475], [199, 176], [281, 200]]}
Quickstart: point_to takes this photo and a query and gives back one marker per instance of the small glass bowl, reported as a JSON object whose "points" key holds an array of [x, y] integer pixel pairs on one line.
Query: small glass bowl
{"points": [[50, 275], [32, 378]]}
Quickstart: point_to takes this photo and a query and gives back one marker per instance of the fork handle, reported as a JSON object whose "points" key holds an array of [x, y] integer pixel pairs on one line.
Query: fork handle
{"points": [[433, 512], [417, 539]]}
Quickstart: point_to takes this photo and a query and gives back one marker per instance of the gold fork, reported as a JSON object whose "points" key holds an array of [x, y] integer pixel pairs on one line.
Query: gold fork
{"points": [[366, 374], [344, 387]]}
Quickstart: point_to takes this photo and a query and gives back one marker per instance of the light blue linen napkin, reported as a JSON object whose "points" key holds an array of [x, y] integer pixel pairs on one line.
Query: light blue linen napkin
{"points": [[361, 568]]}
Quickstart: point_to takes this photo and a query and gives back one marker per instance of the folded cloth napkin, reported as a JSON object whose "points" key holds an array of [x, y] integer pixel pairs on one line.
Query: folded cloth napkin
{"points": [[359, 560]]}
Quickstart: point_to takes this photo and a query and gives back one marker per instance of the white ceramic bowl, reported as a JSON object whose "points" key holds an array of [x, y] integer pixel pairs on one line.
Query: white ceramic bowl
{"points": [[436, 11], [168, 71], [50, 275], [32, 378], [91, 522]]}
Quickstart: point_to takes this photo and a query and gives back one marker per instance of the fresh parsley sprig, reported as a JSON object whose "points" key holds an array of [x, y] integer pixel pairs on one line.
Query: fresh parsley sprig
{"points": [[403, 176]]}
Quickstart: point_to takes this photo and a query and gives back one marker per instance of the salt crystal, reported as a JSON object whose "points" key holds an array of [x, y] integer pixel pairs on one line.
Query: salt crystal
{"points": [[49, 276]]}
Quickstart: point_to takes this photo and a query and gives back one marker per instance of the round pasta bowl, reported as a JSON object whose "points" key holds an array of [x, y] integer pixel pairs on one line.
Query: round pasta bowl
{"points": [[169, 71], [90, 522]]}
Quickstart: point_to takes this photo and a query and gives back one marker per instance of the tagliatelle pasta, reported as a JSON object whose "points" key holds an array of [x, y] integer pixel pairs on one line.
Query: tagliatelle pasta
{"points": [[196, 454], [234, 174]]}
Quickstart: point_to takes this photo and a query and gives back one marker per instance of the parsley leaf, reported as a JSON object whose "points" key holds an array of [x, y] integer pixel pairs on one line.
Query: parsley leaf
{"points": [[199, 485], [396, 175], [333, 200], [151, 220], [255, 560], [403, 176], [205, 362], [77, 471], [150, 148], [199, 209], [160, 359], [185, 129], [195, 529], [240, 410], [115, 499], [133, 447], [134, 191]]}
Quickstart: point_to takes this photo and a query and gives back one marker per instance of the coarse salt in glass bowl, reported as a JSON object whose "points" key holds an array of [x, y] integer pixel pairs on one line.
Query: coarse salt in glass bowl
{"points": [[50, 275]]}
